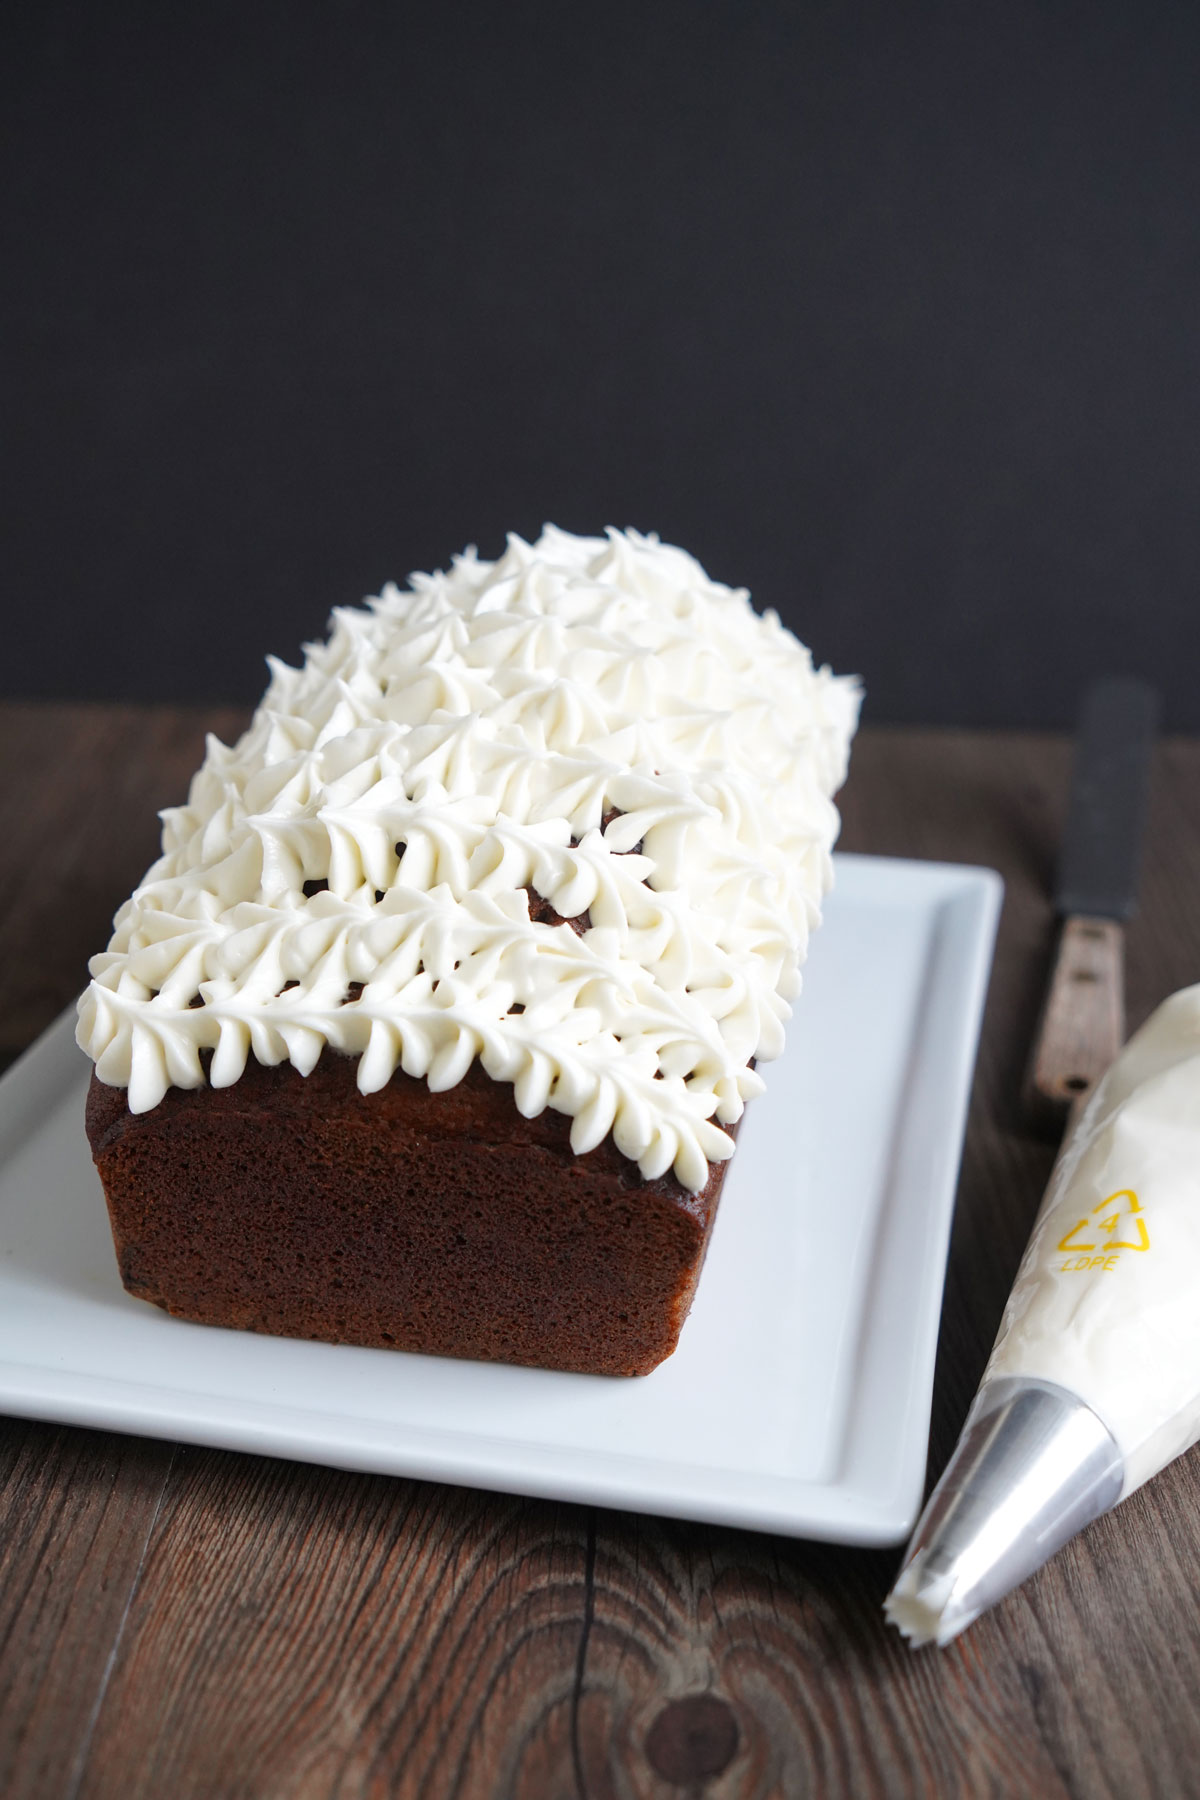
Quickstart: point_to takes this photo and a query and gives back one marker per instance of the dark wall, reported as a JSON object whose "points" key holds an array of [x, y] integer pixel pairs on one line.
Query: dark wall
{"points": [[891, 313]]}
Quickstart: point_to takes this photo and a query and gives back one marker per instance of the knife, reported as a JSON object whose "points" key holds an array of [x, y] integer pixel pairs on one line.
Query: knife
{"points": [[1083, 1021]]}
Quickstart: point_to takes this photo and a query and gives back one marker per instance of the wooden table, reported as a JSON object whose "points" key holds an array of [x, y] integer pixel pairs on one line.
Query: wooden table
{"points": [[180, 1622]]}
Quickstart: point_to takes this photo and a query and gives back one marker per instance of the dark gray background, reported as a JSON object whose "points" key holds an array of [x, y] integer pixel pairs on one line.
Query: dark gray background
{"points": [[891, 313]]}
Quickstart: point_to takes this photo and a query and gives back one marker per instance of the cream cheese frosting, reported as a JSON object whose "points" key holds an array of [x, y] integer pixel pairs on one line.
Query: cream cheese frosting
{"points": [[1107, 1299], [589, 720]]}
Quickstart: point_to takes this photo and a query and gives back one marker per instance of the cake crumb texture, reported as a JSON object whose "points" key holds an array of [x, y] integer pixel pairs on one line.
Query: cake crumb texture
{"points": [[445, 1223]]}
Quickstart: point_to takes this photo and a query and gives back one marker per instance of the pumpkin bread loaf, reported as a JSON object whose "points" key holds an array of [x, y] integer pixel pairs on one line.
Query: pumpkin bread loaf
{"points": [[432, 1025]]}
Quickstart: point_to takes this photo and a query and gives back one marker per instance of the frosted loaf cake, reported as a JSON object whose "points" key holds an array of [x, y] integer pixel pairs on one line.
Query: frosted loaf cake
{"points": [[432, 1022]]}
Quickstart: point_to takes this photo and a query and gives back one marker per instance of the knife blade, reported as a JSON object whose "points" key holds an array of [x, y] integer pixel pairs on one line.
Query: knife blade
{"points": [[1083, 1020], [1102, 845]]}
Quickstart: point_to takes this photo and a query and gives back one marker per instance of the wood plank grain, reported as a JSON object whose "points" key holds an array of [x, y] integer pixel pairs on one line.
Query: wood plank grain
{"points": [[76, 1509], [310, 1633], [80, 787], [297, 1632]]}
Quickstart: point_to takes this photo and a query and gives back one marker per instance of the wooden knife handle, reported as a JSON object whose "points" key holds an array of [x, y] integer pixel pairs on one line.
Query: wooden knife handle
{"points": [[1083, 1023]]}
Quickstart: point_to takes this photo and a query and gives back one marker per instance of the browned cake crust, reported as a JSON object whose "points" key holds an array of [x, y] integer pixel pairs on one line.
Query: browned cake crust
{"points": [[443, 1223]]}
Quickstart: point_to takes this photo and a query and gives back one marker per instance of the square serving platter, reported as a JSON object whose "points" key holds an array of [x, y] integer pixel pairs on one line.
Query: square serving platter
{"points": [[798, 1399]]}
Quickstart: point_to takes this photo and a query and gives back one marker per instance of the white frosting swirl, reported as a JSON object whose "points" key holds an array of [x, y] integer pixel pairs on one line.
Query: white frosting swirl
{"points": [[448, 748]]}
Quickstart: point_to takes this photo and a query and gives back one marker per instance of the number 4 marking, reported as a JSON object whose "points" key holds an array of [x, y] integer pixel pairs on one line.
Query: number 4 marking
{"points": [[1070, 1242]]}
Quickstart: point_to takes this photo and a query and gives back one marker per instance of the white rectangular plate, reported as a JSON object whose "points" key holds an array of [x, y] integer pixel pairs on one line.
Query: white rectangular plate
{"points": [[798, 1400]]}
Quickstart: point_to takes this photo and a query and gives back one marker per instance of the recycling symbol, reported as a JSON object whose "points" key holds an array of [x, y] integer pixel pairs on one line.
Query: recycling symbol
{"points": [[1099, 1229]]}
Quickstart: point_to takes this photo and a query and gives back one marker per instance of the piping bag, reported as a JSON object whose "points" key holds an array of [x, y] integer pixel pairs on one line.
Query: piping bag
{"points": [[1094, 1381]]}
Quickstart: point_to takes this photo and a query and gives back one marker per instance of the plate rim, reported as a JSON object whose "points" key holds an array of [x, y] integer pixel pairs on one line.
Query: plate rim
{"points": [[838, 1509]]}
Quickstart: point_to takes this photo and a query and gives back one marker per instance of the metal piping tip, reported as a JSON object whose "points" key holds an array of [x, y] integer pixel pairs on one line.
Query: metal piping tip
{"points": [[1033, 1466]]}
